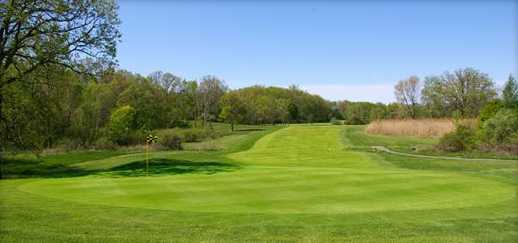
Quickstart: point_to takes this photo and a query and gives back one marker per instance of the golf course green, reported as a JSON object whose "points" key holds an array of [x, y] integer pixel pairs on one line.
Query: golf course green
{"points": [[300, 183]]}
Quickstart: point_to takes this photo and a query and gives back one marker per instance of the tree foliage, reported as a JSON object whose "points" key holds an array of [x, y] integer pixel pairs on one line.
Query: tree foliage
{"points": [[36, 34], [122, 122], [407, 93], [260, 105], [462, 93], [210, 90], [510, 93], [41, 42], [502, 128], [233, 110], [356, 113]]}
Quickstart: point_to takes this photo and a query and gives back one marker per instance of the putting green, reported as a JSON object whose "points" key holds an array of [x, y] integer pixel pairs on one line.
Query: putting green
{"points": [[299, 169]]}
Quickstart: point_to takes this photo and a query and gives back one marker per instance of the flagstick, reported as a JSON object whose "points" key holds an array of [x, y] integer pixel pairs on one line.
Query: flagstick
{"points": [[147, 159]]}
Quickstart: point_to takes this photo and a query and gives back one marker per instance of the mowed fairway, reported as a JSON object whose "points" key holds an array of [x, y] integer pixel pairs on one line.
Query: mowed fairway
{"points": [[298, 183]]}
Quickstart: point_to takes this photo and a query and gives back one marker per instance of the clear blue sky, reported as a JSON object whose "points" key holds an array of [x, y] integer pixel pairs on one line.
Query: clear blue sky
{"points": [[341, 50]]}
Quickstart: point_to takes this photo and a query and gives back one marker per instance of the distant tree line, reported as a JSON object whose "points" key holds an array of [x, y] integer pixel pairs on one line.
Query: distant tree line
{"points": [[261, 105], [459, 94]]}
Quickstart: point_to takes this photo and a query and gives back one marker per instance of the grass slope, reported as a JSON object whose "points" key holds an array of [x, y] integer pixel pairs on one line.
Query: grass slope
{"points": [[297, 184]]}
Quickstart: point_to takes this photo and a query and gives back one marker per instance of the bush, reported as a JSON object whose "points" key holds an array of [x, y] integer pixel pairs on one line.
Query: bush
{"points": [[461, 139], [334, 121], [502, 128], [213, 133], [104, 143], [490, 110], [193, 135], [69, 144], [180, 124], [170, 139], [136, 137]]}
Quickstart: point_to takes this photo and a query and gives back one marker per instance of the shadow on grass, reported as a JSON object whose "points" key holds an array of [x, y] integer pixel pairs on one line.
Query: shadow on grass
{"points": [[29, 168], [21, 168], [170, 167], [249, 129]]}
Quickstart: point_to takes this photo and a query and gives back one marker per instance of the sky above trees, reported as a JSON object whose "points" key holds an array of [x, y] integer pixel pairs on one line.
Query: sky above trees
{"points": [[340, 50]]}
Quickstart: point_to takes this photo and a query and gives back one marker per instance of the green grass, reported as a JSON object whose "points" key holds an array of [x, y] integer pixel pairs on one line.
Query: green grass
{"points": [[295, 184]]}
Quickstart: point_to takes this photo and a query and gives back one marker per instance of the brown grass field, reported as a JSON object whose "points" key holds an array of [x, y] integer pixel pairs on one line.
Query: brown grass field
{"points": [[409, 127]]}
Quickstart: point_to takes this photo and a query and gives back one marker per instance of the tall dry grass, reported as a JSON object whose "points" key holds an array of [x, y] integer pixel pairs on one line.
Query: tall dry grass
{"points": [[418, 127]]}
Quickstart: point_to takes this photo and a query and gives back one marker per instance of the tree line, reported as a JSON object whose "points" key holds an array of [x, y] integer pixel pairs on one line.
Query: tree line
{"points": [[461, 94], [59, 84], [66, 107], [261, 105]]}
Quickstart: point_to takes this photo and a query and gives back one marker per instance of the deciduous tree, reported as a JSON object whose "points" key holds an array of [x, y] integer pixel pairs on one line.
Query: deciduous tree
{"points": [[510, 93], [407, 93], [38, 35], [461, 93]]}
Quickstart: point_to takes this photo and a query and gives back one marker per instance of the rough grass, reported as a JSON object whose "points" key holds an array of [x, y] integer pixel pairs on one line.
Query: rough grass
{"points": [[297, 184], [357, 138], [418, 127]]}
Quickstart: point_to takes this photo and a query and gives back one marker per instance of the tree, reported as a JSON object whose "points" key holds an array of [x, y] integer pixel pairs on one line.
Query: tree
{"points": [[407, 93], [461, 93], [233, 110], [280, 110], [293, 111], [394, 111], [210, 91], [150, 103], [510, 93], [40, 112], [37, 35], [432, 97], [189, 99], [98, 101], [490, 110], [168, 81], [356, 113], [122, 121]]}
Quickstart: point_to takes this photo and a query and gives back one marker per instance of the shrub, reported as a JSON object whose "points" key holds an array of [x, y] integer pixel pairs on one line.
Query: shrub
{"points": [[212, 133], [122, 122], [69, 144], [502, 128], [136, 137], [490, 110], [170, 139], [104, 143], [461, 139], [180, 124], [335, 121], [193, 135]]}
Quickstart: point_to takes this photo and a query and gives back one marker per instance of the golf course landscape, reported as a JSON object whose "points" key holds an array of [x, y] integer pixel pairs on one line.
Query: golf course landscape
{"points": [[258, 121], [296, 183]]}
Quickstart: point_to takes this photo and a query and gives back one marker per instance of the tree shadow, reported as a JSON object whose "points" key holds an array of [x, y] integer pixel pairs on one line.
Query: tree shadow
{"points": [[169, 167], [249, 129], [22, 168]]}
